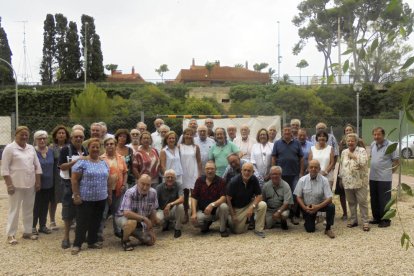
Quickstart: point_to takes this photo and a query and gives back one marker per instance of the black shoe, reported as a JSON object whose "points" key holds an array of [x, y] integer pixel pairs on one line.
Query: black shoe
{"points": [[118, 235], [65, 244], [283, 225], [166, 226], [206, 227], [177, 233], [384, 223], [224, 234], [252, 224], [45, 230], [374, 221]]}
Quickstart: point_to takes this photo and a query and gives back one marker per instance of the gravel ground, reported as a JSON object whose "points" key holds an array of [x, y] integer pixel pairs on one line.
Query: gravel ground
{"points": [[289, 252]]}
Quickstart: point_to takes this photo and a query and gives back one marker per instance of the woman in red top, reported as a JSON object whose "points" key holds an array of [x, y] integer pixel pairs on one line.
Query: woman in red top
{"points": [[146, 160]]}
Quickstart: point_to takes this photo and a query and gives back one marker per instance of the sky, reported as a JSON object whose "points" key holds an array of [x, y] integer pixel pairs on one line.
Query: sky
{"points": [[148, 33]]}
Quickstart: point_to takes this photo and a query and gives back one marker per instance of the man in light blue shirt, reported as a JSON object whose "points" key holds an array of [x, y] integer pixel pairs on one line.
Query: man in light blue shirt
{"points": [[205, 143]]}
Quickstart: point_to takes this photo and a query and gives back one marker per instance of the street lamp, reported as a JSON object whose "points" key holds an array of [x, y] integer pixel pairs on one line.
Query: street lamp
{"points": [[17, 90], [357, 88], [86, 53]]}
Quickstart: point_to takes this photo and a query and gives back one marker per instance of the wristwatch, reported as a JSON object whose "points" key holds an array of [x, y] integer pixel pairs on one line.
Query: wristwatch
{"points": [[213, 204], [254, 206], [279, 211]]}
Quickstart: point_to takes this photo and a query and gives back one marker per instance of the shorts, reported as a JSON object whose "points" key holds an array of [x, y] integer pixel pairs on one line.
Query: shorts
{"points": [[68, 208]]}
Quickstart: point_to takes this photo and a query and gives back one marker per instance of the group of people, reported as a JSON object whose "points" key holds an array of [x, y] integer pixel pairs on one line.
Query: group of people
{"points": [[146, 180]]}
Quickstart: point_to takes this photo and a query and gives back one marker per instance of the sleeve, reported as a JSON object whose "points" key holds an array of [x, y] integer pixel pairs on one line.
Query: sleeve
{"points": [[234, 148], [300, 151], [287, 196], [196, 192], [137, 163], [252, 154], [299, 188], [257, 191], [210, 153], [36, 163], [230, 187], [63, 155], [335, 146], [126, 202], [222, 187], [6, 160], [264, 191], [274, 150], [362, 157], [180, 189], [78, 167], [156, 205], [326, 188]]}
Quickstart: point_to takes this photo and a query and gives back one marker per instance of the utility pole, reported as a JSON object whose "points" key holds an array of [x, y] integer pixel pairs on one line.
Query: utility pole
{"points": [[339, 52], [279, 57], [86, 53], [26, 74]]}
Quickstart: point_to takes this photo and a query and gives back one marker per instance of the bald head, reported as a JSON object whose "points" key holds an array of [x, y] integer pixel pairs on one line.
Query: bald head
{"points": [[144, 184], [247, 171], [314, 167]]}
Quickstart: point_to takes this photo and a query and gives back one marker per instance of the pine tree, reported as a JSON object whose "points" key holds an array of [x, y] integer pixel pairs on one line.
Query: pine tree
{"points": [[74, 69], [95, 68], [6, 73], [49, 48], [61, 45]]}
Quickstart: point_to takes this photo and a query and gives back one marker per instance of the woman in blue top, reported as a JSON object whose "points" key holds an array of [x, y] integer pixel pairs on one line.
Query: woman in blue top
{"points": [[45, 195], [91, 190]]}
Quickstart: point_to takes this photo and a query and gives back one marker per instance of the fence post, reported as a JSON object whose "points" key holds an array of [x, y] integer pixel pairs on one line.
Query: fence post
{"points": [[142, 116], [13, 125]]}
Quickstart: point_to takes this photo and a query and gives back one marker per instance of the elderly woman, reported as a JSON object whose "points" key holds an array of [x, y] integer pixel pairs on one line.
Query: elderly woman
{"points": [[219, 152], [170, 156], [123, 138], [118, 172], [21, 170], [91, 189], [146, 159], [261, 156], [324, 153], [354, 174], [45, 194], [272, 131], [60, 138]]}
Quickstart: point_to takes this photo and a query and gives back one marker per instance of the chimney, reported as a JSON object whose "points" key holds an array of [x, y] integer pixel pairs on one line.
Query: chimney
{"points": [[218, 63], [247, 65], [133, 70], [193, 64]]}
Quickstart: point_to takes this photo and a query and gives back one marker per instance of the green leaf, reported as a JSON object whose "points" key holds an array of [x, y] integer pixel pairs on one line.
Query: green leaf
{"points": [[389, 204], [403, 33], [345, 67], [408, 63], [331, 78], [391, 148], [409, 116], [333, 65], [347, 52], [362, 53], [391, 37], [374, 45], [407, 189], [362, 40], [390, 214]]}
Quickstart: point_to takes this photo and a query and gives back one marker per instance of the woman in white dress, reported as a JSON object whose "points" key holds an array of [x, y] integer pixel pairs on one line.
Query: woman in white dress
{"points": [[324, 153], [261, 155], [191, 164], [170, 156]]}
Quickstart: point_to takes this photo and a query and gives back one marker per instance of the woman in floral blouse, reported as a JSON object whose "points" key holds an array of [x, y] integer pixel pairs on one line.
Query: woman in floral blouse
{"points": [[354, 174]]}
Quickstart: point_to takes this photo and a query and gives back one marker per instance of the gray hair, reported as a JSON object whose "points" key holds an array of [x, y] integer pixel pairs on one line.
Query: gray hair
{"points": [[279, 168], [170, 171], [40, 133]]}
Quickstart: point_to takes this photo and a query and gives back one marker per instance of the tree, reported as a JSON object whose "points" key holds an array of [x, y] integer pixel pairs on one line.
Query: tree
{"points": [[91, 105], [6, 73], [47, 69], [73, 55], [161, 70], [238, 65], [61, 45], [301, 64], [258, 67], [111, 67], [95, 68]]}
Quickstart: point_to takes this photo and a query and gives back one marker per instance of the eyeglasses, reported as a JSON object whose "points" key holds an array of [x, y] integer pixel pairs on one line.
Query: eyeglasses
{"points": [[42, 138], [134, 134], [169, 177], [78, 137]]}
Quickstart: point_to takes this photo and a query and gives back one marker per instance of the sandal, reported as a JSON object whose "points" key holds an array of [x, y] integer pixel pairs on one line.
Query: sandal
{"points": [[352, 225], [127, 246], [11, 240], [30, 236], [366, 227]]}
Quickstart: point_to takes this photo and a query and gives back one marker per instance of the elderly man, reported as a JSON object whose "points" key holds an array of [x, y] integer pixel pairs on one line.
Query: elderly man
{"points": [[208, 201], [96, 132], [156, 135], [193, 125], [141, 126], [232, 132], [244, 198], [380, 176], [331, 139], [306, 146], [68, 157], [235, 167], [157, 144], [272, 130], [137, 213], [170, 200], [295, 124], [278, 196], [244, 143], [105, 134], [287, 153], [314, 195], [205, 143], [135, 134], [209, 123]]}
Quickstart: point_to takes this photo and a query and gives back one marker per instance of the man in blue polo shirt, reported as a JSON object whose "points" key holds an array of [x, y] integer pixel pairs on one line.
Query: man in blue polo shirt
{"points": [[287, 153], [380, 177]]}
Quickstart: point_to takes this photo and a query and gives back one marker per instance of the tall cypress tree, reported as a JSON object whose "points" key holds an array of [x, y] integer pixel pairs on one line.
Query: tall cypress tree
{"points": [[6, 73], [95, 68], [61, 45], [74, 69], [49, 48]]}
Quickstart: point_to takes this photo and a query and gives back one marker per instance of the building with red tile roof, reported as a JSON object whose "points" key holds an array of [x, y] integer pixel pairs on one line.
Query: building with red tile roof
{"points": [[117, 76]]}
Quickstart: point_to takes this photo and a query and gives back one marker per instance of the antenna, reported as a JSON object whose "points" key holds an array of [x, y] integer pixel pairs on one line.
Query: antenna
{"points": [[26, 73]]}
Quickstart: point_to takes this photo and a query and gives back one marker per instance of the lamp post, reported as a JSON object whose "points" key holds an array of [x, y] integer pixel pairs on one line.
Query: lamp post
{"points": [[86, 53], [357, 88], [17, 90]]}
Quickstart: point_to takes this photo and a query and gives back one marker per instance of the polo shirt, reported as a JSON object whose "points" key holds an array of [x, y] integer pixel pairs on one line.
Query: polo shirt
{"points": [[306, 147], [242, 194], [205, 194], [381, 163], [65, 157], [313, 191], [288, 156], [219, 155], [166, 195], [276, 196], [205, 147]]}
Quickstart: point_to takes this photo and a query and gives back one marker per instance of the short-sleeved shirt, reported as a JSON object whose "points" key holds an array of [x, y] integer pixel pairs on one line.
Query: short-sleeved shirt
{"points": [[313, 191], [205, 147], [306, 148], [205, 194], [219, 155], [93, 185], [276, 196], [381, 163], [288, 156], [230, 172], [138, 203], [47, 164], [66, 156], [166, 195], [242, 194]]}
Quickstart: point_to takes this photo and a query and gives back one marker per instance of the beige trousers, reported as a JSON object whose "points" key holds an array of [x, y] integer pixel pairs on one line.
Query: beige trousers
{"points": [[22, 197], [222, 213], [176, 214], [355, 197], [241, 215], [270, 222]]}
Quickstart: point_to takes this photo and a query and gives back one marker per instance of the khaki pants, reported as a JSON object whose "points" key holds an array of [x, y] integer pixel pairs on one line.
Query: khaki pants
{"points": [[241, 215], [355, 197], [24, 198], [176, 214], [222, 213], [270, 222], [133, 228]]}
